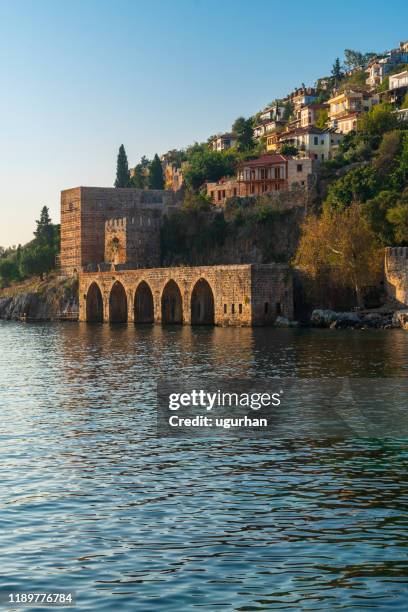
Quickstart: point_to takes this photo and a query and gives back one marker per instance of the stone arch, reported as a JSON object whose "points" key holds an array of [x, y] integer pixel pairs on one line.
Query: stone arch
{"points": [[144, 304], [172, 303], [117, 304], [202, 303], [94, 304]]}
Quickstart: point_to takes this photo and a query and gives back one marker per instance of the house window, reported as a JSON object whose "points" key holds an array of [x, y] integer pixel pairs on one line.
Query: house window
{"points": [[299, 167], [316, 140], [212, 195], [240, 308], [266, 307], [322, 155], [225, 309], [232, 308], [277, 173], [219, 196], [235, 191], [322, 142], [278, 308]]}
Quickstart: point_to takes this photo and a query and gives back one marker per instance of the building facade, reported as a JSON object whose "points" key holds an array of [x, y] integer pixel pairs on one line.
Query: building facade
{"points": [[310, 114], [346, 106], [316, 143], [271, 173], [221, 142], [221, 191]]}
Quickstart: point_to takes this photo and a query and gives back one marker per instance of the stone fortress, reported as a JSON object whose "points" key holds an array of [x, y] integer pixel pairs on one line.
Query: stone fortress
{"points": [[110, 238]]}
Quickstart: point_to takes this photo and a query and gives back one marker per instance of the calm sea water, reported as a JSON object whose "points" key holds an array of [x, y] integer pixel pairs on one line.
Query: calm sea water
{"points": [[92, 500]]}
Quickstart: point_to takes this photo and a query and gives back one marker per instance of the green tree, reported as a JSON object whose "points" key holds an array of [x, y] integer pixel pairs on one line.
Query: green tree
{"points": [[138, 178], [44, 233], [243, 131], [386, 157], [398, 217], [336, 71], [288, 110], [358, 185], [405, 101], [288, 149], [378, 120], [322, 118], [156, 179], [8, 270], [206, 165], [37, 259], [376, 212], [122, 169], [353, 59]]}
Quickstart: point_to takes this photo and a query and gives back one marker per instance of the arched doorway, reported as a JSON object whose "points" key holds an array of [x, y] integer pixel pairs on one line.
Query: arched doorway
{"points": [[94, 304], [118, 304], [171, 304], [202, 304], [144, 311]]}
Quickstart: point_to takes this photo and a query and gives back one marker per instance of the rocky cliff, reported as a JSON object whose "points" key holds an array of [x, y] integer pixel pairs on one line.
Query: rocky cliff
{"points": [[40, 300]]}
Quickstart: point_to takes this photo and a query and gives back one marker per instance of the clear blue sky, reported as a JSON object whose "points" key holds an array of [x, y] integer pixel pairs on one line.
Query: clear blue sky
{"points": [[80, 77]]}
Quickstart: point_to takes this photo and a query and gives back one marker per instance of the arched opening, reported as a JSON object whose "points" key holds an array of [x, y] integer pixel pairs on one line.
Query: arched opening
{"points": [[94, 304], [117, 304], [202, 304], [144, 311], [171, 304]]}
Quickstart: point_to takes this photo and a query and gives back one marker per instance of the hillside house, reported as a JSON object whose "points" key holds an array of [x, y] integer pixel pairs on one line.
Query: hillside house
{"points": [[316, 143]]}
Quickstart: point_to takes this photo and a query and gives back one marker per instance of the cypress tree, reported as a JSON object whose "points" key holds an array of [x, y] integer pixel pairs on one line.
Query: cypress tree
{"points": [[337, 72], [122, 169], [156, 179], [45, 231]]}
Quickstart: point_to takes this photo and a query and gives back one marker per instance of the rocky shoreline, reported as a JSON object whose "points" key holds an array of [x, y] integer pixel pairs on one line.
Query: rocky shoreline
{"points": [[52, 300], [379, 319], [57, 300]]}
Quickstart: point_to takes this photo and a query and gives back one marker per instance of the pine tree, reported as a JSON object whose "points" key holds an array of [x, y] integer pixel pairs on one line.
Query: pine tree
{"points": [[122, 169], [45, 230], [156, 179], [337, 71]]}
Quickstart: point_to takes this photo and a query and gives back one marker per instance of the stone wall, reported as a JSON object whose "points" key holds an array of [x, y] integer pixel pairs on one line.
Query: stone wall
{"points": [[396, 274], [240, 295]]}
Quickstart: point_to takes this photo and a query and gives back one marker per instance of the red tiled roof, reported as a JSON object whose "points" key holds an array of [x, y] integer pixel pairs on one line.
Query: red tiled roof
{"points": [[265, 160]]}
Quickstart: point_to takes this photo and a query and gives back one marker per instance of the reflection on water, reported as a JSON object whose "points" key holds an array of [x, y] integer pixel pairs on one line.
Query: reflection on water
{"points": [[92, 500]]}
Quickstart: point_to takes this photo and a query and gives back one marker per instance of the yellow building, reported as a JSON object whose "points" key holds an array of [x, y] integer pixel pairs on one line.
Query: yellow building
{"points": [[345, 107]]}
